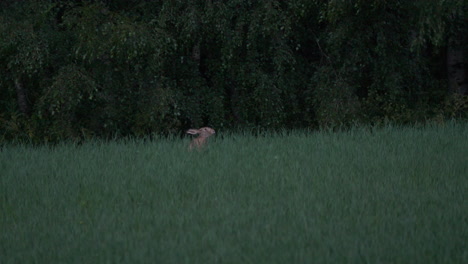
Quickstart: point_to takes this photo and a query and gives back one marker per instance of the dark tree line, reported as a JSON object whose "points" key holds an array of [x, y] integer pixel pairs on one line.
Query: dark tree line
{"points": [[77, 69]]}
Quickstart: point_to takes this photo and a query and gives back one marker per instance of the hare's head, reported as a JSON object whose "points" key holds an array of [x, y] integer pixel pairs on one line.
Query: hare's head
{"points": [[203, 132]]}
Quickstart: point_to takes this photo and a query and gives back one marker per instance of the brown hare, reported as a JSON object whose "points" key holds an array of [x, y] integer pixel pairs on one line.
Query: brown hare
{"points": [[203, 134]]}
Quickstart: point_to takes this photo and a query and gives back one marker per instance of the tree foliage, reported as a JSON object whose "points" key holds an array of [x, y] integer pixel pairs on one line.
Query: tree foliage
{"points": [[77, 69]]}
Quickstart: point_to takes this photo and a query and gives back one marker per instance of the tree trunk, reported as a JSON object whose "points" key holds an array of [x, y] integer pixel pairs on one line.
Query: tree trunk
{"points": [[457, 41], [456, 70], [234, 102], [196, 53], [22, 97]]}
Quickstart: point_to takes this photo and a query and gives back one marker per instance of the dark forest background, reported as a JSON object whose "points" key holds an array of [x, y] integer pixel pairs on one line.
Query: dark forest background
{"points": [[100, 69]]}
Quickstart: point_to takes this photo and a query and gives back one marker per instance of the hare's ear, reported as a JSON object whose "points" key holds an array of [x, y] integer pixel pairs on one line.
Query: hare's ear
{"points": [[193, 131]]}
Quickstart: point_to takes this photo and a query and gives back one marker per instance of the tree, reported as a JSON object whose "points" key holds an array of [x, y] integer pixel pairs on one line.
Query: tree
{"points": [[379, 58], [77, 69], [443, 24]]}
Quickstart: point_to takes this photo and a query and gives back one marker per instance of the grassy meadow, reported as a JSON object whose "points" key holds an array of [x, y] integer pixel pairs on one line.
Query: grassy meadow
{"points": [[388, 195]]}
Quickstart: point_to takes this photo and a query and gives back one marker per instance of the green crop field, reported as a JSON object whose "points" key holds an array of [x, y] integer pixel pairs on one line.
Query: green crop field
{"points": [[388, 195]]}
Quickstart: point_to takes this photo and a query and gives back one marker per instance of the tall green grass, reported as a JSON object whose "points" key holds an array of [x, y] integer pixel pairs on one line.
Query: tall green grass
{"points": [[390, 195]]}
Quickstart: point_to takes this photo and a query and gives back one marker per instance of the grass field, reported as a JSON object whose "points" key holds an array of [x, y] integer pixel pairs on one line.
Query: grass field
{"points": [[390, 195]]}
